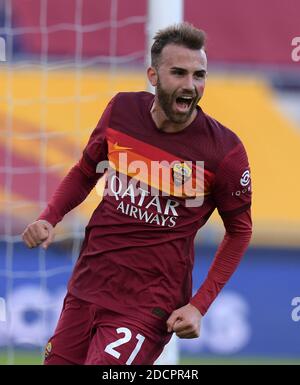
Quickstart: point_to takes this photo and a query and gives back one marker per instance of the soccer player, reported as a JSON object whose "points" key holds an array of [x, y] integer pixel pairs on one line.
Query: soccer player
{"points": [[131, 287]]}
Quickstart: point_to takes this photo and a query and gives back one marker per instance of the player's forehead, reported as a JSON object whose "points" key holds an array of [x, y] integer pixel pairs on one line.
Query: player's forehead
{"points": [[174, 55]]}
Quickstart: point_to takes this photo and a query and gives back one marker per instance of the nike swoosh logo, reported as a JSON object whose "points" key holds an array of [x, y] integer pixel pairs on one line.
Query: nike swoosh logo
{"points": [[116, 147]]}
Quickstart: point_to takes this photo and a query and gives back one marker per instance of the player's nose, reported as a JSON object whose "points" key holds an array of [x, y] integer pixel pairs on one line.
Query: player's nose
{"points": [[188, 84]]}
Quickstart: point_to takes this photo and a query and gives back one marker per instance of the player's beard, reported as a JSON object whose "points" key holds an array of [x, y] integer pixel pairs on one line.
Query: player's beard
{"points": [[167, 101]]}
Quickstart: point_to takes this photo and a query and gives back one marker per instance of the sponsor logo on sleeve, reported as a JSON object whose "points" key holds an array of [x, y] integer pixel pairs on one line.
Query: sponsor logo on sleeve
{"points": [[245, 179], [245, 183]]}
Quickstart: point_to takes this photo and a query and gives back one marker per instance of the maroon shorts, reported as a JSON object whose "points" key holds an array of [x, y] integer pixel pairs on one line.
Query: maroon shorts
{"points": [[90, 335]]}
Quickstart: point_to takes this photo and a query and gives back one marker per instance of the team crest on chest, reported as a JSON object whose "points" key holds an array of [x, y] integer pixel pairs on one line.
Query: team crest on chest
{"points": [[181, 172]]}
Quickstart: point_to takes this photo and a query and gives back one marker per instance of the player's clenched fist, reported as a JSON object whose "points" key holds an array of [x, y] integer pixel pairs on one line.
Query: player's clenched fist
{"points": [[38, 233], [185, 322]]}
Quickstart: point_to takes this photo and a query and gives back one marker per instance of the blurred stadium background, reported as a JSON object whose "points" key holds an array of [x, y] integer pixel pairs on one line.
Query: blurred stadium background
{"points": [[64, 60]]}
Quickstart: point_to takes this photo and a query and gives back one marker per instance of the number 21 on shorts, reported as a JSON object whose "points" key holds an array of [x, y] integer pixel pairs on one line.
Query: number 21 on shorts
{"points": [[110, 348]]}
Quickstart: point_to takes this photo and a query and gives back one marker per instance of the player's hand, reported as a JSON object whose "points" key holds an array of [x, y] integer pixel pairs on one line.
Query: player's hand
{"points": [[185, 322], [40, 232]]}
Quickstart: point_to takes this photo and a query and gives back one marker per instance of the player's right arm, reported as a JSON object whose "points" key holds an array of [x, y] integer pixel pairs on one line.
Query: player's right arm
{"points": [[73, 189]]}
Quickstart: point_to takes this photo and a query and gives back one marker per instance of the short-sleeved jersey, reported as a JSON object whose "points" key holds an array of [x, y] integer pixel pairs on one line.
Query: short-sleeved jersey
{"points": [[138, 253]]}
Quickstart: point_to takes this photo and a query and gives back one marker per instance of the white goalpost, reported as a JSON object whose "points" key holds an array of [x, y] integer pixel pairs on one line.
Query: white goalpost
{"points": [[50, 100], [160, 15], [170, 12]]}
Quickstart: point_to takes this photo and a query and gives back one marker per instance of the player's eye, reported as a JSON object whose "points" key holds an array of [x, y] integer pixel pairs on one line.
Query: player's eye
{"points": [[200, 74], [178, 72]]}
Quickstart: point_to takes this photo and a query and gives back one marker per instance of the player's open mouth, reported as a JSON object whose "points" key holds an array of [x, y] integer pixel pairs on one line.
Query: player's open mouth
{"points": [[183, 103]]}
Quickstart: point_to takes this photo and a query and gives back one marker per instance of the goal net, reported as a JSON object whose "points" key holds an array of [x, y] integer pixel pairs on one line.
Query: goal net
{"points": [[63, 61]]}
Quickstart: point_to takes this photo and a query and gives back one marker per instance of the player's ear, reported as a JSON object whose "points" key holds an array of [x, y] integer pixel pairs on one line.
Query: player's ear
{"points": [[152, 76]]}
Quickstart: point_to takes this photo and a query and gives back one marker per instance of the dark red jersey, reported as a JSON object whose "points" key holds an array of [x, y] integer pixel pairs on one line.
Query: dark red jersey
{"points": [[138, 253]]}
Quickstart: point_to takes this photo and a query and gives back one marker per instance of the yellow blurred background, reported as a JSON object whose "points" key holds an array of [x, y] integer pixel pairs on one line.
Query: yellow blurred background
{"points": [[47, 116]]}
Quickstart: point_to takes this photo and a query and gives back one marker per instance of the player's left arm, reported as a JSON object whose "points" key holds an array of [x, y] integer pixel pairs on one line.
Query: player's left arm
{"points": [[233, 199], [186, 321]]}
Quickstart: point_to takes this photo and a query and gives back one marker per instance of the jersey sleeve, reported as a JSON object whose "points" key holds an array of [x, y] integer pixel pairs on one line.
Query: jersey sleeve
{"points": [[227, 258], [96, 148], [232, 188], [72, 190], [81, 179]]}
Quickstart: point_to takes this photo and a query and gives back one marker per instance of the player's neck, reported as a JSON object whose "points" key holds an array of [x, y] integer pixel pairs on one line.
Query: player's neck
{"points": [[164, 124]]}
